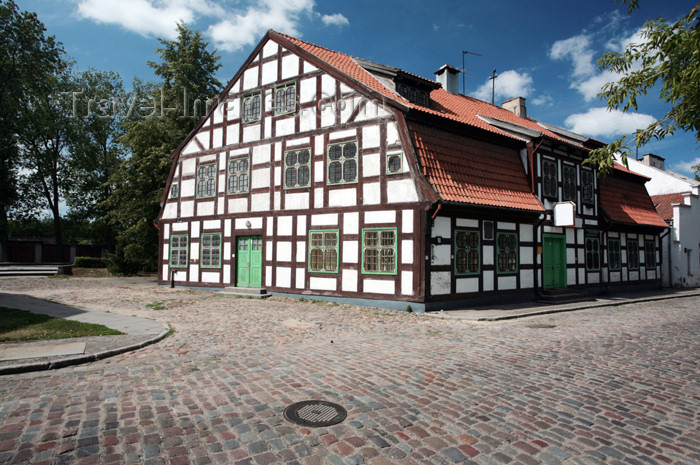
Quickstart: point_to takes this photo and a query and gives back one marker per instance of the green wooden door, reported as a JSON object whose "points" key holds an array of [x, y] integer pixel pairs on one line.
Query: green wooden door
{"points": [[553, 261], [249, 261]]}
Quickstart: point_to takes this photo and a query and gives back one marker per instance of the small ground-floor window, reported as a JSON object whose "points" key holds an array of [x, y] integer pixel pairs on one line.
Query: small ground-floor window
{"points": [[592, 254], [633, 254], [379, 251], [211, 250], [507, 252], [614, 262], [323, 251], [467, 252], [649, 254], [178, 251]]}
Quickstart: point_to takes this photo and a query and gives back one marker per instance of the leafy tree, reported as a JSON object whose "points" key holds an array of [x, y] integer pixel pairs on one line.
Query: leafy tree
{"points": [[96, 153], [48, 132], [187, 69], [669, 56], [27, 58]]}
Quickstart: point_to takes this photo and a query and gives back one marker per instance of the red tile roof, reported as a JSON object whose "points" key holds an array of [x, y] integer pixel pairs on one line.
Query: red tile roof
{"points": [[473, 172], [454, 107], [627, 201], [664, 204]]}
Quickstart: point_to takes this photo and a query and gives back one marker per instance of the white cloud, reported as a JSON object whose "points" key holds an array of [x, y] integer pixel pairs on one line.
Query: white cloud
{"points": [[544, 100], [230, 28], [335, 20], [686, 166], [509, 84], [584, 77], [141, 16], [578, 50], [607, 123]]}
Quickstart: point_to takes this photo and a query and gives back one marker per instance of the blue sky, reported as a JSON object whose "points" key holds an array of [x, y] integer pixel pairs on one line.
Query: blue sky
{"points": [[544, 50]]}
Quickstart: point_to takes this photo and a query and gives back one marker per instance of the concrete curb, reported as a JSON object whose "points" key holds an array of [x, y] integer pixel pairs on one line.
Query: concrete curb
{"points": [[550, 311], [81, 359]]}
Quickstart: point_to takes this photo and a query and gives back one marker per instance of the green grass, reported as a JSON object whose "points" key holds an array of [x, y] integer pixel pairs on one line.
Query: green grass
{"points": [[19, 325], [157, 305]]}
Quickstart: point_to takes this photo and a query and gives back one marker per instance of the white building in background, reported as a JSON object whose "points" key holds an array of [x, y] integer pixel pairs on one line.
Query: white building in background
{"points": [[676, 199]]}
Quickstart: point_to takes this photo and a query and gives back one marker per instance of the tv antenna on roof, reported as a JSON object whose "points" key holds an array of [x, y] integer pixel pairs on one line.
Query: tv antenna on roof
{"points": [[464, 79], [493, 85]]}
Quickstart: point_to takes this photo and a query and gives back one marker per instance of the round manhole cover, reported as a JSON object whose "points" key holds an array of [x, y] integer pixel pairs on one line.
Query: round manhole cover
{"points": [[315, 413]]}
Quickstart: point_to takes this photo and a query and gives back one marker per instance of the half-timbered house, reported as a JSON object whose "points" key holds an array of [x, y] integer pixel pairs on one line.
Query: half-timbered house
{"points": [[317, 173]]}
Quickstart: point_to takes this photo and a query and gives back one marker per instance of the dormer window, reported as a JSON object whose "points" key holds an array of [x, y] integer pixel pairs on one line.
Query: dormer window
{"points": [[413, 94]]}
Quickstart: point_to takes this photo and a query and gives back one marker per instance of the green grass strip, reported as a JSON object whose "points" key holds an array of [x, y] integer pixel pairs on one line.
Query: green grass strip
{"points": [[20, 325]]}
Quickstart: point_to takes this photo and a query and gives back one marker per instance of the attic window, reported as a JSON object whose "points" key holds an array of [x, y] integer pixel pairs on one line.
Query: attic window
{"points": [[412, 94]]}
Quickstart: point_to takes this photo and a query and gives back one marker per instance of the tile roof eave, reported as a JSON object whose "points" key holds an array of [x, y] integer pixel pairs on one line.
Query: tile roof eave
{"points": [[494, 207]]}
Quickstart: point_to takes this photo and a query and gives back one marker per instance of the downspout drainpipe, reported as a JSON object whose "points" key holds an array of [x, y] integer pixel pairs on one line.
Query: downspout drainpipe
{"points": [[670, 268], [538, 244], [437, 209]]}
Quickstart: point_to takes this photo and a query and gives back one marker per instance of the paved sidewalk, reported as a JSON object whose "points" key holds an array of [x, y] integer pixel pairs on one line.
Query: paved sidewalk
{"points": [[138, 332], [523, 310]]}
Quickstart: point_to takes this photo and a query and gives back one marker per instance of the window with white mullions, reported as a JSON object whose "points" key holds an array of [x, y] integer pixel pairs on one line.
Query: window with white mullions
{"points": [[238, 175], [297, 168], [379, 251], [211, 251], [323, 251], [393, 163], [251, 107], [178, 251], [285, 98], [342, 163], [206, 180]]}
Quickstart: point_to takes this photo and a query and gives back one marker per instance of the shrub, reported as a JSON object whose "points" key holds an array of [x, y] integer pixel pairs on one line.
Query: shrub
{"points": [[89, 262]]}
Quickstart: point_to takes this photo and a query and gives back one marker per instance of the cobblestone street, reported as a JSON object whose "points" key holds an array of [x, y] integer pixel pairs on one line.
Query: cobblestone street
{"points": [[614, 385]]}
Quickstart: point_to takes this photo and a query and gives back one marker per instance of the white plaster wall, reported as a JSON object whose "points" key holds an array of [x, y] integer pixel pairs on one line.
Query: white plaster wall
{"points": [[440, 282], [370, 165], [379, 286], [527, 279], [301, 251], [407, 251], [251, 132], [300, 278], [407, 221], [211, 224], [371, 193], [255, 223], [327, 219], [211, 277], [370, 137], [259, 202], [350, 252], [401, 190], [342, 197], [407, 283], [186, 208], [205, 208], [170, 210], [507, 283], [284, 251], [349, 280], [380, 217], [467, 285], [441, 227], [284, 276], [237, 204], [323, 284]]}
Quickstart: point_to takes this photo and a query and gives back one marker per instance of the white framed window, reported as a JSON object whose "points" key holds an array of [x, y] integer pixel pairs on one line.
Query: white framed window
{"points": [[507, 252], [393, 163], [238, 172], [206, 180], [285, 98], [342, 163], [632, 254], [297, 168], [614, 255], [252, 107]]}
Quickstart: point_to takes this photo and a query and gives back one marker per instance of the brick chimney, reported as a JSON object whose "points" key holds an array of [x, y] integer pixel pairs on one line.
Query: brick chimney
{"points": [[448, 76], [516, 105]]}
